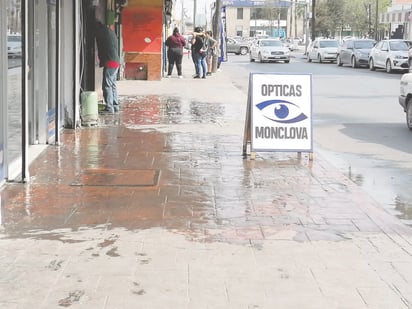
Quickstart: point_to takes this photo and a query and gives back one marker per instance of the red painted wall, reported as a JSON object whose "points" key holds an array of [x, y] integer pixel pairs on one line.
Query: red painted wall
{"points": [[142, 29]]}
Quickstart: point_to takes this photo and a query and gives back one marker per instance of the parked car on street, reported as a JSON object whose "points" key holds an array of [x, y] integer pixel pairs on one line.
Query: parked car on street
{"points": [[405, 97], [266, 50], [14, 46], [188, 38], [323, 50], [292, 44], [355, 52], [237, 47], [410, 59], [390, 55]]}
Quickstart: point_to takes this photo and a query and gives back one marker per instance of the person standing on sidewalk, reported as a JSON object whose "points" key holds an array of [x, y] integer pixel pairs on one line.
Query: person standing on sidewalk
{"points": [[199, 52], [211, 43], [108, 52], [175, 44]]}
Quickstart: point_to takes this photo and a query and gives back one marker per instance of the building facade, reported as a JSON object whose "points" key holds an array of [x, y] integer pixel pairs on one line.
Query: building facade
{"points": [[398, 18], [275, 19], [48, 59]]}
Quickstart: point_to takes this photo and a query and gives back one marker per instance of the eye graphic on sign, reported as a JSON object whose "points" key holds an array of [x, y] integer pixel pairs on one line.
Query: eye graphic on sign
{"points": [[281, 111]]}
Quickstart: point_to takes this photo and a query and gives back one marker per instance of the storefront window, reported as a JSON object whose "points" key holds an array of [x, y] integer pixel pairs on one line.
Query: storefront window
{"points": [[14, 86]]}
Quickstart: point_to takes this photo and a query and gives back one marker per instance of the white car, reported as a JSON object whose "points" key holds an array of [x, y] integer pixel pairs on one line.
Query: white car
{"points": [[266, 50], [323, 50], [14, 46], [389, 55], [405, 97]]}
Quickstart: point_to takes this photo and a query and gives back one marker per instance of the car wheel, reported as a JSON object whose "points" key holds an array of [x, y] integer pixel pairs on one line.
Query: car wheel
{"points": [[243, 50], [260, 58], [388, 66], [287, 61], [353, 62], [338, 61], [320, 58], [371, 64], [409, 114]]}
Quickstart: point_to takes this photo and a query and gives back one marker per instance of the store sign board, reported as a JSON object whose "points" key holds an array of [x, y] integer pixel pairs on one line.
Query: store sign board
{"points": [[279, 113]]}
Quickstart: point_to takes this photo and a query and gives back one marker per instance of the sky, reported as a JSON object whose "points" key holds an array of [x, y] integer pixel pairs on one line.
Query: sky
{"points": [[202, 6]]}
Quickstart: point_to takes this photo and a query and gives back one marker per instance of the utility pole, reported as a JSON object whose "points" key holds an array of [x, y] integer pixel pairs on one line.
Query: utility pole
{"points": [[313, 20], [216, 24], [376, 20], [369, 19], [306, 30], [183, 17], [194, 12], [279, 19]]}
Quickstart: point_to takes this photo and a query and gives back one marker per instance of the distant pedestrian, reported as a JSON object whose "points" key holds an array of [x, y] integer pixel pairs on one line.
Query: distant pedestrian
{"points": [[108, 52], [199, 50], [211, 51], [175, 44]]}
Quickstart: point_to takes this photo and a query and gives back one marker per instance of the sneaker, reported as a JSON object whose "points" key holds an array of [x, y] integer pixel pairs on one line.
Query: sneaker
{"points": [[196, 76], [169, 76], [208, 73], [180, 76], [204, 77], [106, 112]]}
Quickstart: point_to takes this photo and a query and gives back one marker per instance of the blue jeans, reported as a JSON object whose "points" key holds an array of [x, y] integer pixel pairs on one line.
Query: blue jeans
{"points": [[110, 90], [200, 63]]}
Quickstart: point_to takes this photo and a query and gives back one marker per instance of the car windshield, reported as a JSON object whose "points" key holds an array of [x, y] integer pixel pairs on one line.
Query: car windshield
{"points": [[271, 43], [409, 43], [364, 44], [330, 43], [400, 45]]}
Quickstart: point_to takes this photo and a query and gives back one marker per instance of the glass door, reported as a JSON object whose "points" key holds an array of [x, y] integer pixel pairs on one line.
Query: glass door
{"points": [[3, 86], [13, 105]]}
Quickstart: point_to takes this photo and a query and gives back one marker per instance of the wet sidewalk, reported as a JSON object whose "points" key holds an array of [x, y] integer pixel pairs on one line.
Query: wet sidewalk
{"points": [[157, 208]]}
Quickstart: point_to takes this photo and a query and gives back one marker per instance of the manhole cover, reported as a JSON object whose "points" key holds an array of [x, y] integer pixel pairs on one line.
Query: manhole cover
{"points": [[116, 177]]}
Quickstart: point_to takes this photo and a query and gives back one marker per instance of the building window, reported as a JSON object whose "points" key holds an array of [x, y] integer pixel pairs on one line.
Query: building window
{"points": [[239, 31], [239, 13]]}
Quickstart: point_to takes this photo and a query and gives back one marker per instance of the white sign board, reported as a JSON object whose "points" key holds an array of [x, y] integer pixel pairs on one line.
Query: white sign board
{"points": [[281, 112]]}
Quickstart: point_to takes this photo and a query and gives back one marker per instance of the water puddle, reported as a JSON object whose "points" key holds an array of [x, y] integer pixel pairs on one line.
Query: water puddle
{"points": [[204, 188], [386, 183]]}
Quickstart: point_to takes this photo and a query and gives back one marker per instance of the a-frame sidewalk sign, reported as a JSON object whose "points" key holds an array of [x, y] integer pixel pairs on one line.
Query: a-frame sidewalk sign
{"points": [[279, 114]]}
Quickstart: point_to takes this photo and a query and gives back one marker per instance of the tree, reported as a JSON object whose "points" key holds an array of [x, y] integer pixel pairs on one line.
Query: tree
{"points": [[333, 16], [329, 17]]}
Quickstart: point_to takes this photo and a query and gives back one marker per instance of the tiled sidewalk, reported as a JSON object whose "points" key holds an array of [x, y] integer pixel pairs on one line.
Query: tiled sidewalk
{"points": [[157, 208]]}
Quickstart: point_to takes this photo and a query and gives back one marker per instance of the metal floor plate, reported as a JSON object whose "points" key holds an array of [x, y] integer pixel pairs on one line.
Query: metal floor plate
{"points": [[117, 178]]}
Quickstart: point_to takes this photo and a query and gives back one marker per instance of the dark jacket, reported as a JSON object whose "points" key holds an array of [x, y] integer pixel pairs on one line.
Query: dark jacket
{"points": [[176, 40], [107, 45], [199, 44]]}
